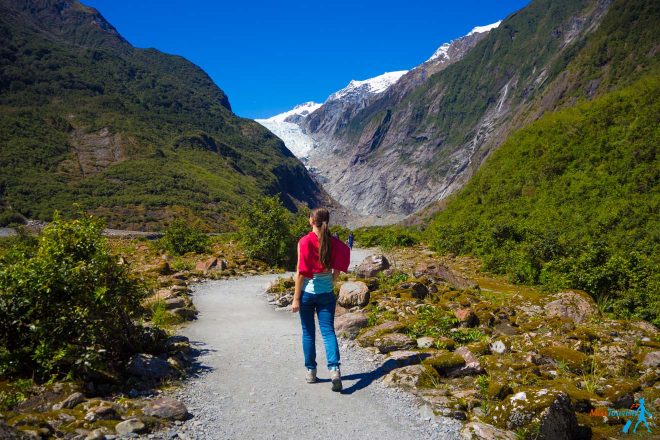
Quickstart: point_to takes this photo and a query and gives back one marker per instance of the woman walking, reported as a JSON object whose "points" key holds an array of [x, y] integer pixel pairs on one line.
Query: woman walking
{"points": [[320, 259]]}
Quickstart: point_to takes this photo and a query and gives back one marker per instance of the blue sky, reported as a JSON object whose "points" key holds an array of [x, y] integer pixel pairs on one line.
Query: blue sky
{"points": [[271, 55]]}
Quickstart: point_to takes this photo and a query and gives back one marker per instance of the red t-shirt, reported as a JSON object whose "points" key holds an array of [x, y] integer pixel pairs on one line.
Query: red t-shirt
{"points": [[309, 261]]}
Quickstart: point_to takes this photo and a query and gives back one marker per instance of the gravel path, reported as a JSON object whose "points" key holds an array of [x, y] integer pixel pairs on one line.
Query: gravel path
{"points": [[251, 384]]}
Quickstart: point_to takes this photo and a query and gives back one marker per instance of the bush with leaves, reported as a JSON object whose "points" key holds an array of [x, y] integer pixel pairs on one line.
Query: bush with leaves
{"points": [[67, 307], [265, 231], [180, 238]]}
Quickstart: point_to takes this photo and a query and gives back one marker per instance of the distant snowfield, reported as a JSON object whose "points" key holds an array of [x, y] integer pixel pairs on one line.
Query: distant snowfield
{"points": [[295, 140]]}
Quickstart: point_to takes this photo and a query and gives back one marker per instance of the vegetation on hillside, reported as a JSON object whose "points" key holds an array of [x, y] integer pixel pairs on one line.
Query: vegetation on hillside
{"points": [[571, 201], [135, 136]]}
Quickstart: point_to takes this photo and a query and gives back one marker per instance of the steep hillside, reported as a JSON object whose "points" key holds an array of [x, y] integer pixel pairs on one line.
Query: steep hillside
{"points": [[571, 201], [135, 135], [402, 152]]}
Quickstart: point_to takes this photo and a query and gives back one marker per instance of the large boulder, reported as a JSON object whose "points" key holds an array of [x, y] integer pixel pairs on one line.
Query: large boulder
{"points": [[353, 293], [577, 306], [370, 266], [439, 272], [148, 366], [393, 342], [213, 263], [166, 408], [549, 411], [348, 325]]}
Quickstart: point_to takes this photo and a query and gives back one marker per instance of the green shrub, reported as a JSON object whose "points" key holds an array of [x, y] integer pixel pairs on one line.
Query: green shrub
{"points": [[386, 237], [432, 321], [66, 305], [265, 231], [180, 238]]}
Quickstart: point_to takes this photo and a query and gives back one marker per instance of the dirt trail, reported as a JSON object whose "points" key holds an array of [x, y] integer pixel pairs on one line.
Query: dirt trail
{"points": [[251, 384]]}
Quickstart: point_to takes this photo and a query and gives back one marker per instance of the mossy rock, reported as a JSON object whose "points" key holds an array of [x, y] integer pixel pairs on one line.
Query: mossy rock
{"points": [[620, 391], [498, 389], [576, 361], [479, 348], [445, 361], [445, 343], [370, 334], [545, 412], [430, 378]]}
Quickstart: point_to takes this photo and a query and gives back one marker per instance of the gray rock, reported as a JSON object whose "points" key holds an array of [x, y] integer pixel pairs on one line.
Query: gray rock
{"points": [[472, 366], [498, 347], [185, 313], [652, 359], [425, 342], [348, 325], [70, 402], [371, 265], [504, 328], [149, 367], [166, 408], [440, 272], [406, 377], [576, 306], [130, 425], [394, 341], [175, 303], [403, 358], [353, 293], [97, 434], [482, 431], [102, 412]]}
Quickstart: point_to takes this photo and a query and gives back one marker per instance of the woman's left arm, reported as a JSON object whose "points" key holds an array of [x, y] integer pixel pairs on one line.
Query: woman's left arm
{"points": [[297, 293]]}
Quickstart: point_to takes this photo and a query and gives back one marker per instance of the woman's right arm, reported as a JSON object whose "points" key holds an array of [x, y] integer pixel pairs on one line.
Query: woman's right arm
{"points": [[297, 293]]}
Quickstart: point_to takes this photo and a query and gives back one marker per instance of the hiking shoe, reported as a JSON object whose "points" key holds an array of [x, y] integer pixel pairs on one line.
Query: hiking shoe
{"points": [[335, 377], [310, 377]]}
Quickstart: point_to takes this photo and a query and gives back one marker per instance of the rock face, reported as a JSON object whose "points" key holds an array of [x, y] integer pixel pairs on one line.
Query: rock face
{"points": [[372, 265], [576, 306], [352, 294], [166, 408], [394, 341], [148, 367], [348, 325]]}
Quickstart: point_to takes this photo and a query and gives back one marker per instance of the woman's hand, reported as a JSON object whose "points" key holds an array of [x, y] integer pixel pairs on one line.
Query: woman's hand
{"points": [[295, 306]]}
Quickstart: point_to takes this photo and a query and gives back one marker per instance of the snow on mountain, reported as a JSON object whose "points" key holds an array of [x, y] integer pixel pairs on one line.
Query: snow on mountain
{"points": [[368, 87], [482, 29], [443, 51], [285, 127]]}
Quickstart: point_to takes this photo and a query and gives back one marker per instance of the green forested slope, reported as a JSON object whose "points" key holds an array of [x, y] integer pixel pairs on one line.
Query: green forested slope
{"points": [[135, 135], [571, 201]]}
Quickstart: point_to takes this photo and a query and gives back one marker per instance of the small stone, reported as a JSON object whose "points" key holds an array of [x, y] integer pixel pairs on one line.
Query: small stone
{"points": [[498, 347], [394, 341], [130, 425], [652, 359], [97, 434], [102, 412], [70, 402], [166, 408], [425, 342]]}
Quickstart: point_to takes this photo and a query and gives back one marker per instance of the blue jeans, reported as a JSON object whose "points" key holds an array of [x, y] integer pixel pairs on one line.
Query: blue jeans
{"points": [[324, 305]]}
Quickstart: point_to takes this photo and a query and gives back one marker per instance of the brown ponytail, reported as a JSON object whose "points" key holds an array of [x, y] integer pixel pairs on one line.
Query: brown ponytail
{"points": [[321, 217]]}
